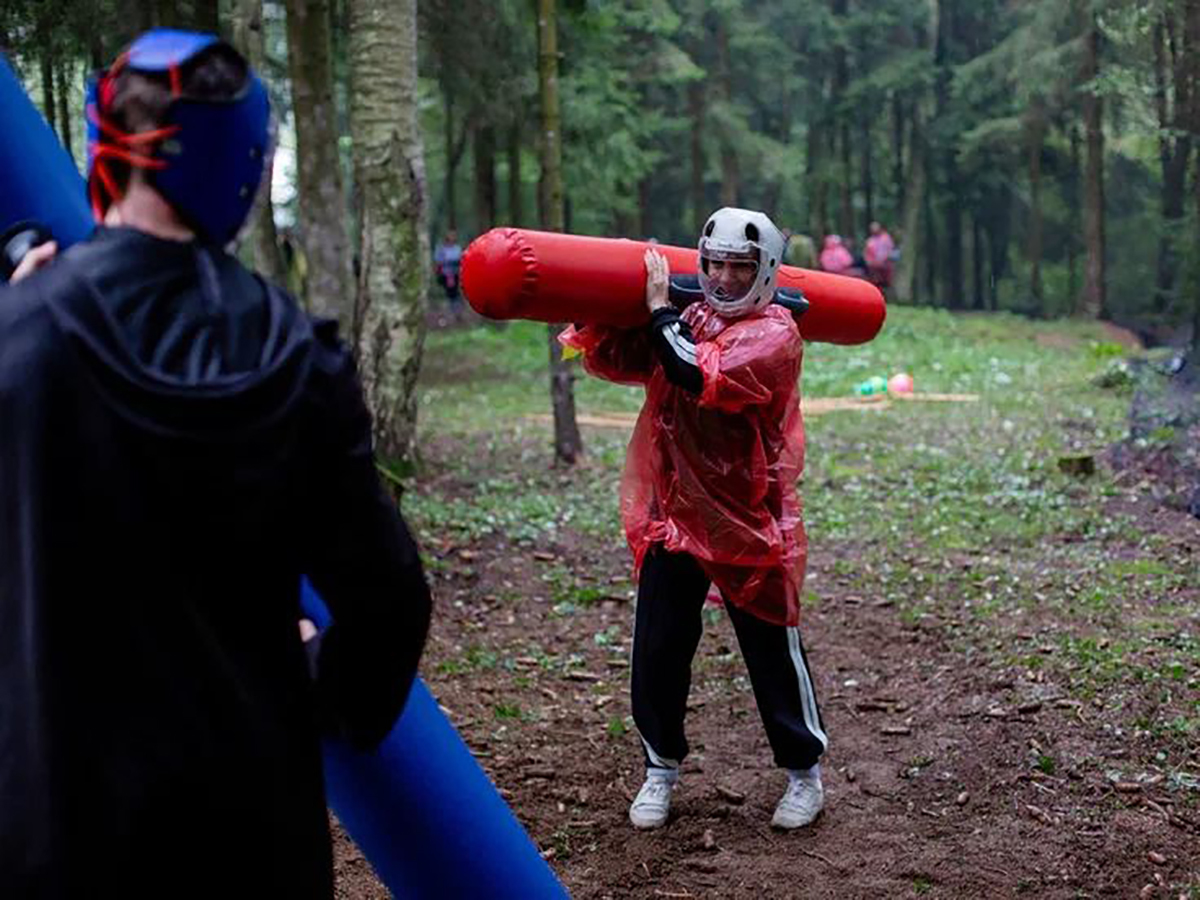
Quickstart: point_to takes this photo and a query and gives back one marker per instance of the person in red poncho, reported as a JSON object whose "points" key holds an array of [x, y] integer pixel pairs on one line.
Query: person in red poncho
{"points": [[709, 497]]}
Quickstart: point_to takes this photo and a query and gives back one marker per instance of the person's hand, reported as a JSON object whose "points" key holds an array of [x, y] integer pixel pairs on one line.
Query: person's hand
{"points": [[308, 630], [34, 260], [656, 280]]}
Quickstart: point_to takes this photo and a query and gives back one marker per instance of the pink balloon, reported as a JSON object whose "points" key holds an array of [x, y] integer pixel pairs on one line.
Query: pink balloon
{"points": [[900, 383]]}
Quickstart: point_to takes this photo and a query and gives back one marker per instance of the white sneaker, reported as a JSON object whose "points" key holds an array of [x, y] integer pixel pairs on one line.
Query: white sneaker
{"points": [[801, 802], [652, 804]]}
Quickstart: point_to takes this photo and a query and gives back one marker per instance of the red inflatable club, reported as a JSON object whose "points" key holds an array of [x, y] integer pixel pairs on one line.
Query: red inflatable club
{"points": [[514, 273]]}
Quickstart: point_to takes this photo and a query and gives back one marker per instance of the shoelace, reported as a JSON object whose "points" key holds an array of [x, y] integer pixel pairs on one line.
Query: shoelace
{"points": [[655, 789], [796, 789]]}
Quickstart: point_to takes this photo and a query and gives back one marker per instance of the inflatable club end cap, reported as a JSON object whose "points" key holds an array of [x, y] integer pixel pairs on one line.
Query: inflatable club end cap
{"points": [[498, 269], [882, 317]]}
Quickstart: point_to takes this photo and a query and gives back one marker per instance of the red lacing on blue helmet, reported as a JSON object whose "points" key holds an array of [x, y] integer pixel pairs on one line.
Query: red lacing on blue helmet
{"points": [[133, 148]]}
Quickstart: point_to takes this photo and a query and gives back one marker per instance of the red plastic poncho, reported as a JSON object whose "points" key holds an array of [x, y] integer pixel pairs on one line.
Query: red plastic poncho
{"points": [[715, 476]]}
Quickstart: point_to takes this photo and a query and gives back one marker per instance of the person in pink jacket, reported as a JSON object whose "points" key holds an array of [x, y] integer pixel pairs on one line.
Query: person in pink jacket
{"points": [[835, 257], [879, 253]]}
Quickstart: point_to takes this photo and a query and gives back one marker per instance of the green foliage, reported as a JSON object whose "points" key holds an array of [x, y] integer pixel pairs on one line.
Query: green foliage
{"points": [[785, 105], [507, 711], [617, 727], [951, 512]]}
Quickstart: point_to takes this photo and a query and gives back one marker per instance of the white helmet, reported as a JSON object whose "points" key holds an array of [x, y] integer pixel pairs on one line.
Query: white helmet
{"points": [[740, 235]]}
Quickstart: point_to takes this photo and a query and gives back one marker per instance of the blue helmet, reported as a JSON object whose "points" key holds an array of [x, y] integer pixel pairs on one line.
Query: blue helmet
{"points": [[208, 156]]}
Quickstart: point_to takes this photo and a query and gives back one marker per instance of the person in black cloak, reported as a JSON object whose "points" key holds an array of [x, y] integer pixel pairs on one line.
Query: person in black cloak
{"points": [[179, 444]]}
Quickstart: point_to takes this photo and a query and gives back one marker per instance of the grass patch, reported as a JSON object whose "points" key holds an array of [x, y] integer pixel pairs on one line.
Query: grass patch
{"points": [[954, 512]]}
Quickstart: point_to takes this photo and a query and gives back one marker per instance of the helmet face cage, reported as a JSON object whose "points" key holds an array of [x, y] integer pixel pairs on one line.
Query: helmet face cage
{"points": [[739, 235], [727, 291]]}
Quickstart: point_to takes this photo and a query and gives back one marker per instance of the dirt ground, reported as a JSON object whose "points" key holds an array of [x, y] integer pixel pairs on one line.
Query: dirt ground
{"points": [[936, 778]]}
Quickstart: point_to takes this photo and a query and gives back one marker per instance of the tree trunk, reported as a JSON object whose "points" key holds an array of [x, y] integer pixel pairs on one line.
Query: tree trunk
{"points": [[206, 15], [696, 115], [978, 301], [840, 120], [898, 120], [914, 189], [1195, 356], [914, 207], [1192, 55], [999, 231], [49, 107], [451, 159], [166, 14], [389, 167], [952, 270], [261, 237], [624, 223], [730, 172], [323, 234], [516, 210], [781, 130], [1092, 302], [1076, 204], [814, 187], [483, 151], [66, 78], [454, 147], [1033, 248], [868, 175], [929, 250], [130, 18], [568, 444], [845, 183], [1175, 147]]}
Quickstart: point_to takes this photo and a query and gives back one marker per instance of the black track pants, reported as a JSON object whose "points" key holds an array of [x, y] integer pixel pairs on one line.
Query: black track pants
{"points": [[671, 592]]}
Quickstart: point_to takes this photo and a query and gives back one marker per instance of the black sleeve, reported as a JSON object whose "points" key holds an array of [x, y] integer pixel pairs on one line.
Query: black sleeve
{"points": [[363, 561], [676, 349]]}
